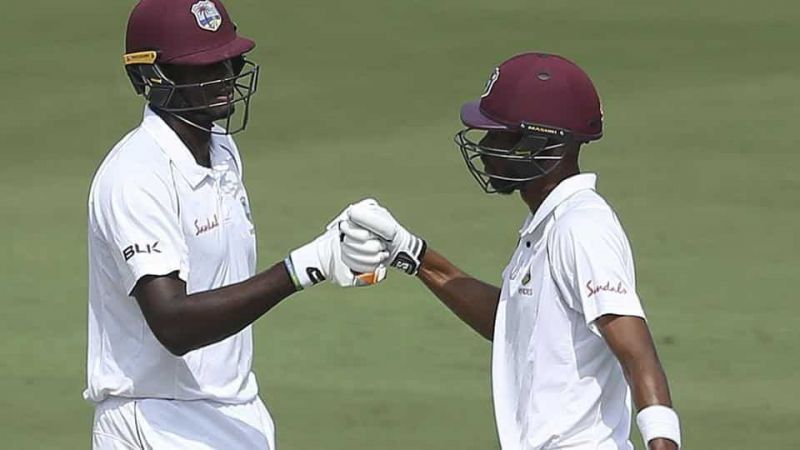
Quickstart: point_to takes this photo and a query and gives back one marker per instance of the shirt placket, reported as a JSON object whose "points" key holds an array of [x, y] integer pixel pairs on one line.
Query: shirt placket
{"points": [[518, 261], [221, 209]]}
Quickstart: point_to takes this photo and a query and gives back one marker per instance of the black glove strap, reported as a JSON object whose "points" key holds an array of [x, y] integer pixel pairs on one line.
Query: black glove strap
{"points": [[410, 262]]}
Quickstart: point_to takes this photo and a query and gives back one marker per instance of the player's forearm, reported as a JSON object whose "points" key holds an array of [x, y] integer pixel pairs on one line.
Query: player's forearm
{"points": [[630, 340], [648, 381], [644, 373], [204, 318], [472, 300], [649, 387]]}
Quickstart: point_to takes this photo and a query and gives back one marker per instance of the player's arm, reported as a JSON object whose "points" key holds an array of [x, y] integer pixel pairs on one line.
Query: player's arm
{"points": [[472, 300], [593, 269], [630, 340], [184, 322], [143, 232]]}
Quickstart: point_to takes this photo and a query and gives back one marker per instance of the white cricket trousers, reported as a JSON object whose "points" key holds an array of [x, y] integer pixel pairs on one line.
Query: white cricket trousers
{"points": [[145, 424]]}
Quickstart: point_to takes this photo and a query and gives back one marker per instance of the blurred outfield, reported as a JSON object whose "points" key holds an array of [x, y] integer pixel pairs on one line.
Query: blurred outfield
{"points": [[361, 98]]}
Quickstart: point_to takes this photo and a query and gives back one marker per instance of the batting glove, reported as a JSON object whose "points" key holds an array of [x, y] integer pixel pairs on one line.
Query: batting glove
{"points": [[321, 260], [405, 249]]}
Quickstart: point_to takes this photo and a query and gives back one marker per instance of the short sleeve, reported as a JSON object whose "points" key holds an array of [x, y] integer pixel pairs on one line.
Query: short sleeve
{"points": [[139, 221], [592, 265]]}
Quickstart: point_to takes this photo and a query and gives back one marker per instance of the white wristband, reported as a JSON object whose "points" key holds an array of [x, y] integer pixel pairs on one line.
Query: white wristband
{"points": [[659, 421]]}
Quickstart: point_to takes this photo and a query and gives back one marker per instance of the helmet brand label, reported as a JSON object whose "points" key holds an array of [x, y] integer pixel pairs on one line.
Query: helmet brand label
{"points": [[541, 129], [140, 58]]}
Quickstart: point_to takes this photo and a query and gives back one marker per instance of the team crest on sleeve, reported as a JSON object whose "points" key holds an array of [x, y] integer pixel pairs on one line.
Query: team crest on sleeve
{"points": [[207, 15], [490, 83]]}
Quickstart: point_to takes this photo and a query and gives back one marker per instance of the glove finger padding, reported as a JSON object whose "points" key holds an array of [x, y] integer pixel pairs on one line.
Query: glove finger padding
{"points": [[321, 259], [374, 218], [363, 262], [406, 249], [362, 251], [347, 275], [354, 232], [363, 256], [367, 202], [370, 247]]}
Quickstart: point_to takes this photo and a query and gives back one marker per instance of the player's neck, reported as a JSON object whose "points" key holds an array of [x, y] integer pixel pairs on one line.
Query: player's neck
{"points": [[535, 192], [196, 140]]}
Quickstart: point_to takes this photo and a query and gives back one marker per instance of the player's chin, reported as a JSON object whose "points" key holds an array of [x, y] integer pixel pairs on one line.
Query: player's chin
{"points": [[503, 187], [220, 112]]}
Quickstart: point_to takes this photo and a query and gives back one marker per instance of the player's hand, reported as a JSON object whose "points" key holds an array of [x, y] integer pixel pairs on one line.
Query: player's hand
{"points": [[321, 259], [405, 249]]}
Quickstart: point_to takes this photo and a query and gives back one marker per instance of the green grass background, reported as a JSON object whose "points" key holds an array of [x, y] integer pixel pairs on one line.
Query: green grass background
{"points": [[360, 98]]}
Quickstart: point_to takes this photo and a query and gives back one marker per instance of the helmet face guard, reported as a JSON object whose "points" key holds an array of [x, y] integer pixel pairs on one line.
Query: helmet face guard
{"points": [[150, 81], [539, 150]]}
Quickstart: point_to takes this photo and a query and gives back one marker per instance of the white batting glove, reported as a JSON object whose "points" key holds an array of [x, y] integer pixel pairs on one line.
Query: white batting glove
{"points": [[405, 249], [321, 260]]}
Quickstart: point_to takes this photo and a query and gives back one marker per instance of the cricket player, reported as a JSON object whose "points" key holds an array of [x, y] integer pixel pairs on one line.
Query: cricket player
{"points": [[172, 248], [571, 348]]}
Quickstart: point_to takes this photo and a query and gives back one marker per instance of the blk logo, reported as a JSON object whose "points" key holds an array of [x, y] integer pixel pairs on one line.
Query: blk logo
{"points": [[315, 275], [133, 250]]}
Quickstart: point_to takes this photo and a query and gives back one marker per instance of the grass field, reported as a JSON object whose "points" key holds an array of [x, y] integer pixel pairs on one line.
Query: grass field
{"points": [[361, 98]]}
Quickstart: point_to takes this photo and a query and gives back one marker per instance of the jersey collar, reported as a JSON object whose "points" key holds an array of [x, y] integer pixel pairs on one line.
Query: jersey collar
{"points": [[177, 151], [564, 190]]}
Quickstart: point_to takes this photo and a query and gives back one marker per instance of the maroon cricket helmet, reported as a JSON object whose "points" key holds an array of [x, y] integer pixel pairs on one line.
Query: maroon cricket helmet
{"points": [[540, 89], [187, 32]]}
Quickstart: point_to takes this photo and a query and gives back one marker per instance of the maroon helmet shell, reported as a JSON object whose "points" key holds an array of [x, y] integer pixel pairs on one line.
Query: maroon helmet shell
{"points": [[189, 32], [538, 88]]}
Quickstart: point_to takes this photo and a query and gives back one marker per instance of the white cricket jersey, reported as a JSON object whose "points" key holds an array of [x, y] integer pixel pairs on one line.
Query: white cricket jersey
{"points": [[556, 384], [153, 211]]}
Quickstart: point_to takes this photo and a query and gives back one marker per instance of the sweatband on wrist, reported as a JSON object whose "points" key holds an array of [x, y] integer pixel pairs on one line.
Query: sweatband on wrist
{"points": [[290, 268], [659, 422]]}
